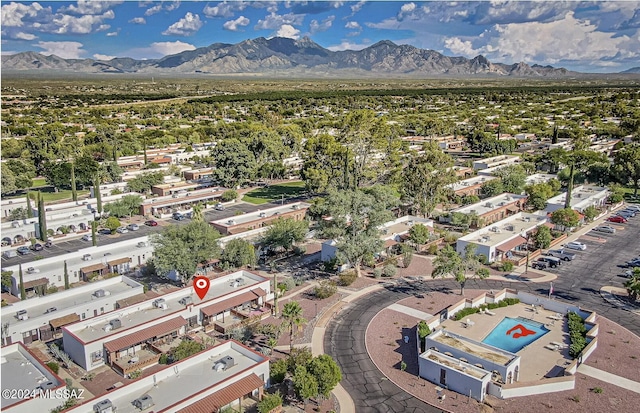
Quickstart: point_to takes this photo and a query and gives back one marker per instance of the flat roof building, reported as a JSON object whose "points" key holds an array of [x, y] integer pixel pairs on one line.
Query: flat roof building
{"points": [[470, 186], [582, 197], [495, 161], [502, 239], [164, 205], [257, 219], [495, 208]]}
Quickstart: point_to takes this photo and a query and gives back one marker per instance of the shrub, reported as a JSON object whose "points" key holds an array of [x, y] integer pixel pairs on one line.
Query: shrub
{"points": [[278, 371], [330, 265], [51, 290], [135, 374], [53, 366], [482, 258], [511, 301], [164, 359], [597, 390], [577, 332], [423, 332], [299, 250], [506, 266], [377, 272], [433, 249], [325, 289], [403, 366], [269, 402], [229, 195], [465, 312], [389, 270], [347, 278], [287, 284]]}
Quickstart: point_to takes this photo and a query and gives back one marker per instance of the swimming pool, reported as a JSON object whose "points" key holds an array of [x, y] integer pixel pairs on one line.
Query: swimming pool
{"points": [[512, 334]]}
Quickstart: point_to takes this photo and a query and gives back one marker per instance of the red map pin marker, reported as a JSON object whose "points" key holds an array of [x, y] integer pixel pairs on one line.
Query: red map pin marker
{"points": [[201, 285]]}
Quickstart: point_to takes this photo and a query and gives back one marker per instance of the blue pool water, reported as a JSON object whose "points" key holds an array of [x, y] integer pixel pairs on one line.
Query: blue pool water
{"points": [[512, 334]]}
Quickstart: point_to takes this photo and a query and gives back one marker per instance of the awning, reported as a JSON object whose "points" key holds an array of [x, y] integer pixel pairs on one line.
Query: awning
{"points": [[63, 321], [259, 292], [143, 335], [36, 283], [92, 268], [509, 245], [513, 208], [229, 303], [390, 243], [221, 398], [119, 261]]}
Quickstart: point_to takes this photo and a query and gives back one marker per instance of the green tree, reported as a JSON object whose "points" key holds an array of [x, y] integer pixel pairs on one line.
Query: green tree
{"points": [[125, 207], [94, 237], [8, 180], [42, 218], [269, 402], [29, 207], [326, 372], [74, 191], [304, 384], [292, 314], [285, 232], [66, 276], [23, 292], [590, 212], [23, 171], [355, 220], [633, 284], [449, 263], [7, 282], [425, 177], [112, 223], [542, 238], [235, 163], [143, 182], [238, 253], [579, 161], [419, 234], [492, 188], [538, 194], [566, 217], [229, 195], [326, 164], [98, 193], [513, 178], [626, 166], [196, 212], [183, 247], [185, 349]]}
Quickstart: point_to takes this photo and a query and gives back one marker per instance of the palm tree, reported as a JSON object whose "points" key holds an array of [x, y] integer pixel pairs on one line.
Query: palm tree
{"points": [[633, 285], [292, 313]]}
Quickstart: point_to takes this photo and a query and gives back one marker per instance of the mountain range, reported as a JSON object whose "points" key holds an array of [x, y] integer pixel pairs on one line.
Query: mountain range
{"points": [[280, 57]]}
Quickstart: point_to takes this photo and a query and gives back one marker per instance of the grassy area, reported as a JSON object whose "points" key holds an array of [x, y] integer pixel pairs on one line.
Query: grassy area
{"points": [[36, 182], [275, 192], [62, 195]]}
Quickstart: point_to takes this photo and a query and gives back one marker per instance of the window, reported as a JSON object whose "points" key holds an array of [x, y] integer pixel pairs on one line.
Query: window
{"points": [[96, 357], [101, 310], [83, 316], [59, 278]]}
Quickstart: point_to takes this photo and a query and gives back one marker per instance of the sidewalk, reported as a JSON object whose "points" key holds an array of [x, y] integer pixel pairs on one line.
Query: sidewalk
{"points": [[609, 294]]}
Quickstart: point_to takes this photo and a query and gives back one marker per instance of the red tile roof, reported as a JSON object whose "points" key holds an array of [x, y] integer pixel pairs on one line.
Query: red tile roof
{"points": [[229, 303], [509, 245], [145, 334], [219, 399]]}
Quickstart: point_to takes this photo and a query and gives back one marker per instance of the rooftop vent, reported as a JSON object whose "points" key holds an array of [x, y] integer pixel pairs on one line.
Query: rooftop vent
{"points": [[224, 364], [103, 406]]}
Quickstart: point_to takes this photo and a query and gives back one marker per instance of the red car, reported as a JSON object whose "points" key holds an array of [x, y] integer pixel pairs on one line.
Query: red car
{"points": [[151, 223], [617, 218]]}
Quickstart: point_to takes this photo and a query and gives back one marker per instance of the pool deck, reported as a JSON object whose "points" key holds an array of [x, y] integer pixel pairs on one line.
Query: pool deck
{"points": [[539, 358]]}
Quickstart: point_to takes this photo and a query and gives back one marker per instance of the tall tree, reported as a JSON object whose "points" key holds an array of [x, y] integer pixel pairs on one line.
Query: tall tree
{"points": [[23, 292], [425, 177], [514, 178], [579, 160], [98, 193], [285, 232], [238, 253], [29, 207], [182, 248], [449, 263], [94, 237], [304, 384], [326, 164], [326, 372], [626, 166], [42, 218], [196, 213], [66, 276], [355, 219], [292, 314], [74, 192], [566, 217]]}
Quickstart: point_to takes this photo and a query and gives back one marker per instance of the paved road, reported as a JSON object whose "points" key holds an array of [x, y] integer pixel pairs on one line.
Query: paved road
{"points": [[370, 389]]}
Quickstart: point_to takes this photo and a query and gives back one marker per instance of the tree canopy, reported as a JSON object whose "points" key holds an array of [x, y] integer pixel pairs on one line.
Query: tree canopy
{"points": [[565, 217], [449, 263], [627, 166], [285, 232], [238, 253]]}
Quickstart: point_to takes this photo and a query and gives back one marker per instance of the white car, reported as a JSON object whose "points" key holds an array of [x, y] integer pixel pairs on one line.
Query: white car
{"points": [[633, 206], [133, 227], [605, 228], [122, 230], [86, 237], [32, 270], [575, 245]]}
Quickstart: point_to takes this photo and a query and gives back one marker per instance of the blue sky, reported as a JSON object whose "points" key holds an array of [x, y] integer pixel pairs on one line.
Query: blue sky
{"points": [[595, 36]]}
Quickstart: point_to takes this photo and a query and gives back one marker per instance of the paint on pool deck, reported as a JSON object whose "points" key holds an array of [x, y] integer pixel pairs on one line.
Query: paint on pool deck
{"points": [[512, 334]]}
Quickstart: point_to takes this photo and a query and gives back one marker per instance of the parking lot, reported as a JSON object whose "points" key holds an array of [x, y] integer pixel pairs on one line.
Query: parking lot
{"points": [[599, 264]]}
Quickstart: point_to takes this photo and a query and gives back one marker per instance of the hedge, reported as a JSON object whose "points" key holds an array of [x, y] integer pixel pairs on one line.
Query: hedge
{"points": [[491, 306], [577, 334]]}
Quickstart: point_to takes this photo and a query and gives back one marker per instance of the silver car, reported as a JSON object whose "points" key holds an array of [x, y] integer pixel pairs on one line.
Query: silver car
{"points": [[605, 228]]}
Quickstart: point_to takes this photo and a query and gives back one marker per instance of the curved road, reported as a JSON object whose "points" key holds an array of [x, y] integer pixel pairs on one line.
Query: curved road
{"points": [[370, 390]]}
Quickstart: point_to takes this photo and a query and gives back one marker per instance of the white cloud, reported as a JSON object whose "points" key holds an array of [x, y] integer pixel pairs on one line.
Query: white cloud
{"points": [[316, 27], [568, 39], [66, 50], [224, 9], [90, 6], [274, 21], [406, 9], [186, 26], [111, 34], [42, 19], [14, 13], [105, 57], [103, 27], [352, 25], [346, 45], [169, 48], [153, 10], [356, 7], [138, 20], [64, 23], [287, 30], [174, 5], [233, 25], [24, 36]]}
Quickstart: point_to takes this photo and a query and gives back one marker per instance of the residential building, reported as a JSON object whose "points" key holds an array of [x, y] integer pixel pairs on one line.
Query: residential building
{"points": [[180, 201], [582, 197], [539, 178], [173, 188], [23, 372], [495, 208], [496, 161], [198, 174], [504, 239], [41, 318], [221, 376], [258, 219], [134, 337], [470, 186]]}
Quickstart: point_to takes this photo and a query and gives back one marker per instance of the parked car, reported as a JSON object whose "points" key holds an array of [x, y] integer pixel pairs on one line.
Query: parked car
{"points": [[23, 250], [48, 244], [575, 245], [605, 228], [32, 270], [37, 247], [86, 237], [219, 207], [178, 216], [617, 219], [540, 264], [552, 261], [133, 227], [51, 310], [635, 207], [122, 230], [151, 223], [561, 254], [104, 231], [625, 215], [629, 211]]}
